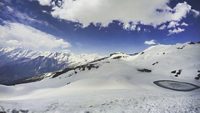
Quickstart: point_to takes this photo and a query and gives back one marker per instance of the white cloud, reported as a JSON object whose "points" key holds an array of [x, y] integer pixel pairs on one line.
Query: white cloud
{"points": [[44, 2], [184, 24], [162, 27], [195, 12], [22, 36], [181, 11], [150, 42], [173, 24], [20, 16], [147, 12], [176, 31], [130, 26], [138, 29]]}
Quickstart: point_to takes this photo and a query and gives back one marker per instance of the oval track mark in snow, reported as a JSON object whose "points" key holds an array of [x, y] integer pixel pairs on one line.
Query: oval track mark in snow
{"points": [[176, 85]]}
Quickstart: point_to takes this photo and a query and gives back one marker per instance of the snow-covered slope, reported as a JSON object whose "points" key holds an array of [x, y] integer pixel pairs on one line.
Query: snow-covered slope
{"points": [[119, 83], [16, 63]]}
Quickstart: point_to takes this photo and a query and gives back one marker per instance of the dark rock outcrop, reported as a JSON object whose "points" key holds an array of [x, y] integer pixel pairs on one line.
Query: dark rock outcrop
{"points": [[144, 70]]}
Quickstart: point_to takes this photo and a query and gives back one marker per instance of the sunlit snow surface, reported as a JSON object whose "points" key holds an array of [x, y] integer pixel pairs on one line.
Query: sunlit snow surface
{"points": [[116, 86]]}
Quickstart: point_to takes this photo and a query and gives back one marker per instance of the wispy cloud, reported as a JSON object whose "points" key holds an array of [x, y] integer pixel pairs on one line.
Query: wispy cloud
{"points": [[22, 36]]}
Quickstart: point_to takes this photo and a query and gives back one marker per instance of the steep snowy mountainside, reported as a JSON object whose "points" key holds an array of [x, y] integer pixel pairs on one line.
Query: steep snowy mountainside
{"points": [[167, 58], [16, 63], [161, 59], [95, 64]]}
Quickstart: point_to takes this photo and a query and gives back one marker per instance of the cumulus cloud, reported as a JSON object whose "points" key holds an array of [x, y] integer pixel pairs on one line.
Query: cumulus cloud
{"points": [[150, 42], [22, 36], [176, 31], [133, 12]]}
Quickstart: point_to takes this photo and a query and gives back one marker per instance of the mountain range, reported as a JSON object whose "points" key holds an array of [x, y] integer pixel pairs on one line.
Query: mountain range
{"points": [[18, 63]]}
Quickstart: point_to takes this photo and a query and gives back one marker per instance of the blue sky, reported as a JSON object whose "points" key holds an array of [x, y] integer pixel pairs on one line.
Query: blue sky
{"points": [[99, 26]]}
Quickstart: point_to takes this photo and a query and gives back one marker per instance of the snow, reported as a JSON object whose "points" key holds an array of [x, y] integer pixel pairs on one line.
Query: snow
{"points": [[72, 59], [116, 86], [28, 63]]}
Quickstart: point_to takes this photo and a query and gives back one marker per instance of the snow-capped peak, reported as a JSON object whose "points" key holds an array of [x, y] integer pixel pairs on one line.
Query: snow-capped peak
{"points": [[18, 53], [27, 63]]}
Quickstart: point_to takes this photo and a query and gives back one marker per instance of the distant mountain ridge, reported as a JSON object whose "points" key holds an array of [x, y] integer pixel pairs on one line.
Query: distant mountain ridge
{"points": [[17, 63]]}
